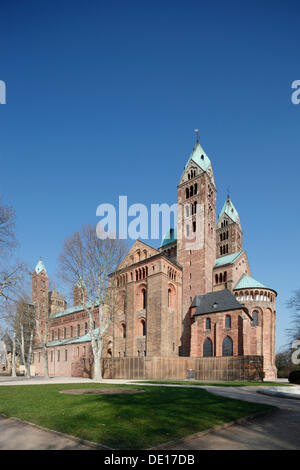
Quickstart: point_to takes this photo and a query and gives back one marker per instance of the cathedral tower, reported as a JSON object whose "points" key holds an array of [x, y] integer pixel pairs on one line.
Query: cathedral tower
{"points": [[196, 231], [40, 287], [229, 230]]}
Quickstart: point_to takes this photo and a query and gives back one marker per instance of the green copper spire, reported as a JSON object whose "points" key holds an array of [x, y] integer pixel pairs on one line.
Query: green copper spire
{"points": [[40, 267], [199, 156], [229, 210]]}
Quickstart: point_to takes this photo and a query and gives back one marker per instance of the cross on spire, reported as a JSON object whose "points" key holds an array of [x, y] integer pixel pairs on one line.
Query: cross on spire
{"points": [[197, 134]]}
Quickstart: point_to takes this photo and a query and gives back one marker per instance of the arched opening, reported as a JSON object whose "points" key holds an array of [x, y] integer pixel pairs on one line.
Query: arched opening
{"points": [[144, 298], [255, 318], [142, 327], [123, 330], [228, 321], [207, 348], [227, 347], [109, 349]]}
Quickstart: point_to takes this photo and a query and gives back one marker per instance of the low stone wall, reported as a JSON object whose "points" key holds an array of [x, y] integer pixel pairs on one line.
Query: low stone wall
{"points": [[181, 368]]}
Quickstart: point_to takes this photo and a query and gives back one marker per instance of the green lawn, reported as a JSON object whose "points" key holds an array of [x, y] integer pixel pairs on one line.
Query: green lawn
{"points": [[217, 384], [124, 421]]}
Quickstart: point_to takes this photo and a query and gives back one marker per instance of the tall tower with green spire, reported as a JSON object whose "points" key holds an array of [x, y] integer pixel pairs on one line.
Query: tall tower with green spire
{"points": [[196, 230], [229, 230], [40, 288]]}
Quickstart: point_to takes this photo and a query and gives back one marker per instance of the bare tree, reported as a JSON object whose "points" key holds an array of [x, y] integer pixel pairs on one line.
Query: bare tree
{"points": [[24, 331], [12, 272], [42, 333], [7, 228], [91, 262], [294, 304], [11, 280]]}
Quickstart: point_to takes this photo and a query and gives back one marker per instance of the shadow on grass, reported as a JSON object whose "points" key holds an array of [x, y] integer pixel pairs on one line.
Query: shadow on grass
{"points": [[123, 421]]}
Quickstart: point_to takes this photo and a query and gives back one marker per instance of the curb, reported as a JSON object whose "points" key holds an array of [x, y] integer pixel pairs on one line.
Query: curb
{"points": [[91, 444], [218, 427], [272, 393]]}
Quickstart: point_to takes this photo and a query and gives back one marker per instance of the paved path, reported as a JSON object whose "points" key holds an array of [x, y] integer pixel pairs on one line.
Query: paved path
{"points": [[16, 435], [278, 430], [56, 380]]}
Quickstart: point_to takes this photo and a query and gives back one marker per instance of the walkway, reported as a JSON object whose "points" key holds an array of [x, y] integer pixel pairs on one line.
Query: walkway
{"points": [[275, 431]]}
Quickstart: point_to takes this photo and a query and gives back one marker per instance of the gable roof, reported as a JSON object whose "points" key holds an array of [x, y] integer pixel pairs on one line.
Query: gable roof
{"points": [[229, 209], [228, 259], [213, 302], [138, 245]]}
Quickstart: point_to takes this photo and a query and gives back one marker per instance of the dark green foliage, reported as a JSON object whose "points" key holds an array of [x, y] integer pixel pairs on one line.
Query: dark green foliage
{"points": [[294, 377]]}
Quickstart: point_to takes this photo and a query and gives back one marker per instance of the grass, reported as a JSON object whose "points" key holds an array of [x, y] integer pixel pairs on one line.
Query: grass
{"points": [[217, 384], [123, 421]]}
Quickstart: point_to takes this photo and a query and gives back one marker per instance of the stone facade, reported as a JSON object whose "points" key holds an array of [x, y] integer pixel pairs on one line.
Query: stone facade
{"points": [[157, 287]]}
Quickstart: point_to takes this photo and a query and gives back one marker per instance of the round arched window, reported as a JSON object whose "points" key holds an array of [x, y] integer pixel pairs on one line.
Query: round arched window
{"points": [[207, 348], [255, 318]]}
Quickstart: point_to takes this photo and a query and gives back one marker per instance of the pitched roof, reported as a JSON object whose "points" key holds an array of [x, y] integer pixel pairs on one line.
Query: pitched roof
{"points": [[219, 301], [248, 282], [80, 339], [199, 156], [228, 259], [229, 209], [170, 236], [73, 309], [40, 267]]}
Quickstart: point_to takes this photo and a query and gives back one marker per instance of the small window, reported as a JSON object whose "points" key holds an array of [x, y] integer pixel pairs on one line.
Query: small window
{"points": [[255, 318], [66, 354], [207, 324], [227, 321], [143, 327]]}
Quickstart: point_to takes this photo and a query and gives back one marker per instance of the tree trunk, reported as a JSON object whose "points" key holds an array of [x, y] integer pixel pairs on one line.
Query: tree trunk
{"points": [[46, 372], [13, 358], [28, 362]]}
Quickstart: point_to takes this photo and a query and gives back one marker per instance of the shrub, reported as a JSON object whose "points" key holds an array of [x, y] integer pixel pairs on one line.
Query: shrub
{"points": [[294, 377]]}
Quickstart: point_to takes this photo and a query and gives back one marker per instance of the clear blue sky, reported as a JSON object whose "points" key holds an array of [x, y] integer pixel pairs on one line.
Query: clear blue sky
{"points": [[102, 100]]}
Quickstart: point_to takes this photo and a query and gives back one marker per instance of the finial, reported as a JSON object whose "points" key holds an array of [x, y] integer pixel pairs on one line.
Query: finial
{"points": [[228, 193], [197, 134]]}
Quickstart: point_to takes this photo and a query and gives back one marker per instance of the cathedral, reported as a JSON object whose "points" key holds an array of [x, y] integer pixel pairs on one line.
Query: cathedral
{"points": [[192, 298]]}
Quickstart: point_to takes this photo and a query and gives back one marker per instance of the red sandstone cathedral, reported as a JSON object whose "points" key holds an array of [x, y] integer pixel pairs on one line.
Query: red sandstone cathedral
{"points": [[191, 305]]}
